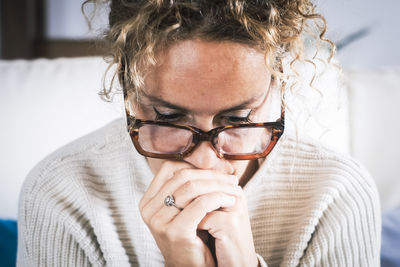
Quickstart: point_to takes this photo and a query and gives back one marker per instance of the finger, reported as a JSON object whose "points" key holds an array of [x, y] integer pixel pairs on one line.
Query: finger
{"points": [[182, 173], [187, 178], [233, 235], [167, 170], [192, 189], [192, 215], [222, 218], [215, 221], [160, 219]]}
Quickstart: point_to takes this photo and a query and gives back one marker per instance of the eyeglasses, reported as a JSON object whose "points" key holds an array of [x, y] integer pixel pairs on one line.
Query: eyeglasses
{"points": [[233, 142], [165, 140], [245, 141]]}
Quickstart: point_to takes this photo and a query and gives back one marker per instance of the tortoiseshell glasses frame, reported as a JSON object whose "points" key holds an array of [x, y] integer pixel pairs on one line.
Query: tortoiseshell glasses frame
{"points": [[198, 135]]}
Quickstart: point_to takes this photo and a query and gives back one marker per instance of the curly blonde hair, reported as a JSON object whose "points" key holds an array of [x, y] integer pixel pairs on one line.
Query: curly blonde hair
{"points": [[140, 28]]}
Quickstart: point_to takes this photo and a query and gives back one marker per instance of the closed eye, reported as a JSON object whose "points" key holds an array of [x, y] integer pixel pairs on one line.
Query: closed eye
{"points": [[168, 117], [236, 119]]}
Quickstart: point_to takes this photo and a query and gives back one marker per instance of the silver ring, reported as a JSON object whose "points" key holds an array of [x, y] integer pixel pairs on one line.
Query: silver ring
{"points": [[170, 201]]}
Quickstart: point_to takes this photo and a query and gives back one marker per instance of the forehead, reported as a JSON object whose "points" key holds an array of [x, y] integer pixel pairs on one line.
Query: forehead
{"points": [[202, 75]]}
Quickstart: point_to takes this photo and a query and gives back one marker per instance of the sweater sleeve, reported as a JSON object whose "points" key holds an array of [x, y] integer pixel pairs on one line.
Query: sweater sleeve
{"points": [[52, 229], [348, 232]]}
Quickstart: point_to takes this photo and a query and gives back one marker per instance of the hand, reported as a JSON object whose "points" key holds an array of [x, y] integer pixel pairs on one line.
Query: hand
{"points": [[231, 229], [198, 192]]}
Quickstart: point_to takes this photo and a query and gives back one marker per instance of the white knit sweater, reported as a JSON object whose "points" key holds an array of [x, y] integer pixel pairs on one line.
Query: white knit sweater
{"points": [[308, 207]]}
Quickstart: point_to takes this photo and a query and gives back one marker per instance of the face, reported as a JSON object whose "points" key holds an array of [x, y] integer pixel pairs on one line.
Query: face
{"points": [[206, 85]]}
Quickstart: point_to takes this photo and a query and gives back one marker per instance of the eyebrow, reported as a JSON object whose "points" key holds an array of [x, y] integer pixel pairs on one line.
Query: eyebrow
{"points": [[242, 105], [167, 104]]}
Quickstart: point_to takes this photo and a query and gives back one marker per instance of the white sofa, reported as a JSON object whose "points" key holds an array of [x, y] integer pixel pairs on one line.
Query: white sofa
{"points": [[46, 103]]}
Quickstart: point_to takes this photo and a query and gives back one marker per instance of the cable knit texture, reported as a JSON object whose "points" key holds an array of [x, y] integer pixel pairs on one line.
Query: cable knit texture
{"points": [[308, 206]]}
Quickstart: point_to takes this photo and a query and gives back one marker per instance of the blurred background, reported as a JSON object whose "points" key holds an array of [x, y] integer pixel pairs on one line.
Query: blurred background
{"points": [[366, 31], [51, 71]]}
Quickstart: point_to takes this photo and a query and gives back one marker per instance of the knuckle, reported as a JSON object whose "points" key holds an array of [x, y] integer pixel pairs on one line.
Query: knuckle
{"points": [[141, 204], [234, 222], [242, 198], [181, 173], [189, 186], [145, 216], [220, 196], [154, 223], [223, 237], [201, 203], [167, 164], [172, 234], [227, 187]]}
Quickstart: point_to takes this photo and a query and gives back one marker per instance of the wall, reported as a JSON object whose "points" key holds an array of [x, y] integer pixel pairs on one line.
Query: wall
{"points": [[378, 49], [66, 21]]}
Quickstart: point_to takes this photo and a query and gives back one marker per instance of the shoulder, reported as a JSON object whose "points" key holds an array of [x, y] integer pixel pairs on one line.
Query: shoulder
{"points": [[319, 176], [343, 201], [330, 176], [74, 173], [308, 157], [71, 195], [75, 156], [53, 206], [75, 193]]}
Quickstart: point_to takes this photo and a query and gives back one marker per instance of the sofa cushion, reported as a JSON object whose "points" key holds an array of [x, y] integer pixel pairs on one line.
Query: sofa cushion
{"points": [[8, 242], [44, 105], [390, 256], [375, 127]]}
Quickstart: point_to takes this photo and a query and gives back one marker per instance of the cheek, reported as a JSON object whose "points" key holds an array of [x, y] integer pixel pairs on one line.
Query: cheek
{"points": [[155, 164]]}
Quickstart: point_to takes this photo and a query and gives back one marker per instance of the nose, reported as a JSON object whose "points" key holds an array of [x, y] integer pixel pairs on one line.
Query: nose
{"points": [[203, 156]]}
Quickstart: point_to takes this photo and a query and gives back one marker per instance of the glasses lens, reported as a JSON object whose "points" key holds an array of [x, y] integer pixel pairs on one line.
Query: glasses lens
{"points": [[244, 140], [164, 139]]}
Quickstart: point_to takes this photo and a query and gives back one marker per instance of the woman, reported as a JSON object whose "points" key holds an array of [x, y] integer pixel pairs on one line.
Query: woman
{"points": [[211, 179]]}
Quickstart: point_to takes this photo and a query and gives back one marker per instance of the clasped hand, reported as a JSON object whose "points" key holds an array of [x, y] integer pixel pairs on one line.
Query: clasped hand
{"points": [[212, 202]]}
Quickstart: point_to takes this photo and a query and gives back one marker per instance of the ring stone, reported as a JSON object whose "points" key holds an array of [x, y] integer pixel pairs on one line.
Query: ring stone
{"points": [[170, 201]]}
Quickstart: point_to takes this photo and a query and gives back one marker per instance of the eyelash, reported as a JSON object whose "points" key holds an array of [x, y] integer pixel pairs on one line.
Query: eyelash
{"points": [[176, 116], [237, 119], [167, 117]]}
